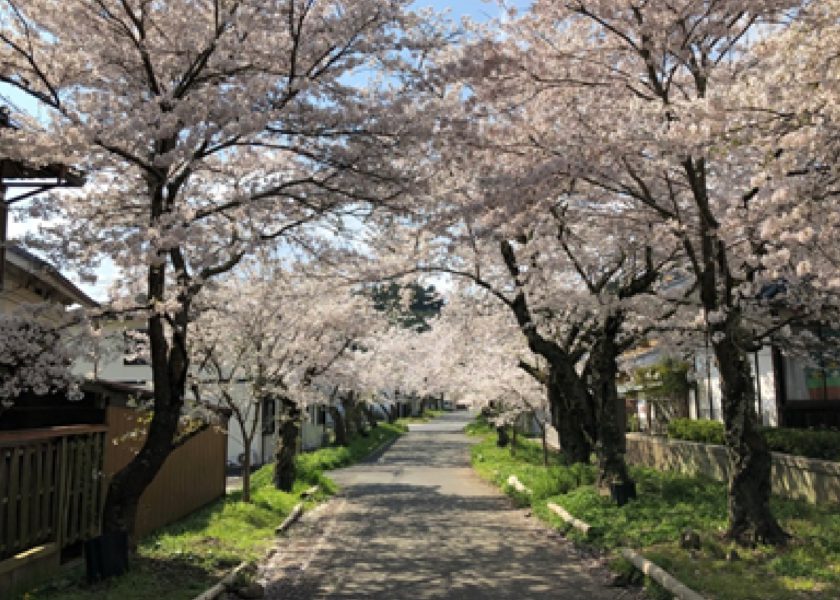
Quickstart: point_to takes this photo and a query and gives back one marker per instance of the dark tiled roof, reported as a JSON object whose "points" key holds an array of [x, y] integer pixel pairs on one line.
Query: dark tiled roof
{"points": [[42, 267]]}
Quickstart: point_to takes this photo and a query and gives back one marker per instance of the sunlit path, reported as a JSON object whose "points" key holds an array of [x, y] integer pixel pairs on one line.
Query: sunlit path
{"points": [[418, 523]]}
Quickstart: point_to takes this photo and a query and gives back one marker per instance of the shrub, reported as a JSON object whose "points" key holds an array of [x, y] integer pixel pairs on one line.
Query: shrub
{"points": [[701, 430], [821, 444]]}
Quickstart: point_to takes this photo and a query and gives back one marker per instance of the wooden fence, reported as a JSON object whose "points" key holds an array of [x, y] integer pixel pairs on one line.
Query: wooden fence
{"points": [[192, 476], [50, 487]]}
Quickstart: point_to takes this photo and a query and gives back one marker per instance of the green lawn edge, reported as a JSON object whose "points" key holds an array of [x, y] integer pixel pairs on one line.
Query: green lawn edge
{"points": [[183, 559], [668, 503]]}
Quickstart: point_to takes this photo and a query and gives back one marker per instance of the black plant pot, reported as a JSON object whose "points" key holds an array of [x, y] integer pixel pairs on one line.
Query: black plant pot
{"points": [[621, 493], [106, 556]]}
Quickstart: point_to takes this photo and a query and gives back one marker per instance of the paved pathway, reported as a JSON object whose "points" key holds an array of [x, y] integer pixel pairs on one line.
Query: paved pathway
{"points": [[419, 524]]}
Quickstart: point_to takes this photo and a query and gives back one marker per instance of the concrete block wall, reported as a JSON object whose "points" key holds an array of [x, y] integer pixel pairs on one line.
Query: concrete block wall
{"points": [[817, 481]]}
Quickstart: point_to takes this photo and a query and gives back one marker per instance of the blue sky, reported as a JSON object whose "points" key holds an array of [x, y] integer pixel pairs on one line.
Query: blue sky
{"points": [[480, 10]]}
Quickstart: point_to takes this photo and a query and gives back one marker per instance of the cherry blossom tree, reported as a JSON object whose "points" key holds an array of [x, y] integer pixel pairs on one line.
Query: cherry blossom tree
{"points": [[35, 355], [645, 107], [207, 128], [283, 332]]}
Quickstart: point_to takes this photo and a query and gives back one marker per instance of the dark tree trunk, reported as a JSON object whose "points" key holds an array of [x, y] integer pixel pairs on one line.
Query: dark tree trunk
{"points": [[169, 369], [571, 406], [513, 440], [750, 517], [246, 469], [392, 413], [571, 413], [611, 443], [357, 416], [339, 426], [371, 416], [502, 438], [349, 418], [288, 431]]}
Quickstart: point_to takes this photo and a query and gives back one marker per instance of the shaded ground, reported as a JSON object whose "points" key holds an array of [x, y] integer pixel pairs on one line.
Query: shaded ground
{"points": [[419, 524]]}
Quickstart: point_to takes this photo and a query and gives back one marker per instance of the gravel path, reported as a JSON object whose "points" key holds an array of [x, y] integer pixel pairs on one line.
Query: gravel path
{"points": [[419, 524]]}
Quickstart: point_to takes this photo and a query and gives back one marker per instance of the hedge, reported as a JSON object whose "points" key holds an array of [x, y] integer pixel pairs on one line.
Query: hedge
{"points": [[822, 444], [702, 430]]}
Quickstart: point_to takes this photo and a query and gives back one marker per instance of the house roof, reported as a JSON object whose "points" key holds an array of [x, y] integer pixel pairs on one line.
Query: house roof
{"points": [[65, 290], [57, 174], [25, 174]]}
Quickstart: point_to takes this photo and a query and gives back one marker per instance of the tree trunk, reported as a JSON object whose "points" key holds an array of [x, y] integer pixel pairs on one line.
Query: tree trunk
{"points": [[370, 415], [603, 368], [750, 517], [544, 447], [288, 431], [126, 487], [570, 414], [339, 426], [349, 423], [356, 410], [169, 371], [246, 470], [502, 438], [513, 440]]}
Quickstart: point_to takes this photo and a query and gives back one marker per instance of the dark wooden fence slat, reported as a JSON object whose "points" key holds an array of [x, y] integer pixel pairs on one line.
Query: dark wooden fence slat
{"points": [[95, 509], [13, 495], [28, 454], [85, 483], [5, 461], [38, 493]]}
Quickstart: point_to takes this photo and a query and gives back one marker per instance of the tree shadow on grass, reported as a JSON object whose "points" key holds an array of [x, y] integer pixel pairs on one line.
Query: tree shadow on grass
{"points": [[148, 579]]}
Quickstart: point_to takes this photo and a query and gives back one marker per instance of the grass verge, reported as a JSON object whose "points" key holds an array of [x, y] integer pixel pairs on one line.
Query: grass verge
{"points": [[427, 416], [668, 503], [182, 560]]}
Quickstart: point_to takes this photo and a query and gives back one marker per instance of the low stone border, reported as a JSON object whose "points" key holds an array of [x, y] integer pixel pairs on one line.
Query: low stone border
{"points": [[221, 587], [310, 492], [652, 570], [513, 481], [377, 452], [661, 576], [296, 513], [585, 528]]}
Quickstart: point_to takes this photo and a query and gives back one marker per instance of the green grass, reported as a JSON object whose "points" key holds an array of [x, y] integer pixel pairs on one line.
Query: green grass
{"points": [[427, 416], [668, 503], [183, 559], [497, 465]]}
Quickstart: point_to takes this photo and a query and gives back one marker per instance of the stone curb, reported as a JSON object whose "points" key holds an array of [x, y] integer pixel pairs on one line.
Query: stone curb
{"points": [[381, 449], [296, 513], [585, 528], [513, 481], [661, 576], [221, 587], [651, 569]]}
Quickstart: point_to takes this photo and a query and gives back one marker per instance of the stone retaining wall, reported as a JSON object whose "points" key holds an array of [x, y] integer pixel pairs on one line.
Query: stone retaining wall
{"points": [[816, 481]]}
